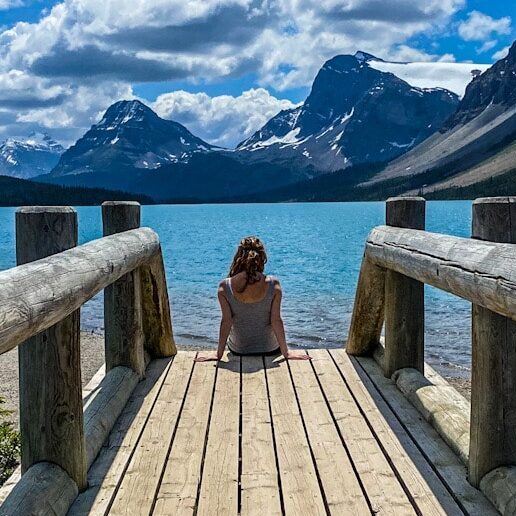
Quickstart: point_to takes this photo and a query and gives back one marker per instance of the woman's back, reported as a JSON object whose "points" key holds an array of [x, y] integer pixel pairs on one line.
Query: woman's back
{"points": [[251, 312]]}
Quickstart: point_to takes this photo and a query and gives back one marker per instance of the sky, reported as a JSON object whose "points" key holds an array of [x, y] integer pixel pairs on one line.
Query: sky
{"points": [[222, 67]]}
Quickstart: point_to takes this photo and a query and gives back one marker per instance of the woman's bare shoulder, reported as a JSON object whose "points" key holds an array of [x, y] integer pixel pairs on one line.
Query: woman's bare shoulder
{"points": [[275, 281]]}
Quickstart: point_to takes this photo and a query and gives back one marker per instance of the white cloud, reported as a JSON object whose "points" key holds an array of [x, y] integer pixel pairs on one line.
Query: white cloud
{"points": [[452, 76], [500, 54], [8, 4], [488, 45], [223, 120], [63, 70], [480, 26]]}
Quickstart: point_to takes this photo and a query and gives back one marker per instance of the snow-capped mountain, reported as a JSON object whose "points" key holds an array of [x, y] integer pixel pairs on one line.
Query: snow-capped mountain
{"points": [[354, 114], [130, 136], [477, 143], [29, 157]]}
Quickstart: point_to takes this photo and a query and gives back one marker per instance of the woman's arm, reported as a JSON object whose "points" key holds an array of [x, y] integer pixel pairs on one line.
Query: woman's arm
{"points": [[225, 327], [279, 328], [225, 323]]}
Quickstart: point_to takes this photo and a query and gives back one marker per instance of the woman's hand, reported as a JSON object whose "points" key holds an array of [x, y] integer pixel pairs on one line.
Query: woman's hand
{"points": [[297, 355], [207, 356]]}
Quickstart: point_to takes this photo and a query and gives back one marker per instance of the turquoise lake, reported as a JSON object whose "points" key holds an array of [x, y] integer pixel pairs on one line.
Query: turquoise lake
{"points": [[314, 248]]}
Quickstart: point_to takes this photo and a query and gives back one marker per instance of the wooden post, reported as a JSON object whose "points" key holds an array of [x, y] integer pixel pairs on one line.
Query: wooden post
{"points": [[51, 414], [493, 375], [404, 297], [123, 325], [368, 310]]}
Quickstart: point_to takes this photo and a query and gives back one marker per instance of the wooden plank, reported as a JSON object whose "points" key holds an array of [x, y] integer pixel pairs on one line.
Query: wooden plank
{"points": [[137, 491], [178, 490], [300, 487], [219, 486], [425, 488], [450, 468], [383, 488], [106, 472], [259, 479], [340, 484]]}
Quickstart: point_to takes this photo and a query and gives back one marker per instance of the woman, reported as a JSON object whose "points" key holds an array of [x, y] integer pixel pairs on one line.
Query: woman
{"points": [[251, 308]]}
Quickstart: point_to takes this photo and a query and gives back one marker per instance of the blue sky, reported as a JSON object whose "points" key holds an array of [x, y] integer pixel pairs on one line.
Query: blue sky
{"points": [[221, 67]]}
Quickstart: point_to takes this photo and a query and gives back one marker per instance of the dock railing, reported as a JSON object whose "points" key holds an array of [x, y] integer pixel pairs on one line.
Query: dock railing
{"points": [[399, 259], [40, 302]]}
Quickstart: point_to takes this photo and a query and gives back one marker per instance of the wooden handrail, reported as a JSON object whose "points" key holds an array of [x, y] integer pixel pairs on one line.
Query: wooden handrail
{"points": [[481, 272], [39, 294], [39, 312]]}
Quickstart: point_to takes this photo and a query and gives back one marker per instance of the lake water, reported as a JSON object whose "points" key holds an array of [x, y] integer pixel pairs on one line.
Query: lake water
{"points": [[314, 248]]}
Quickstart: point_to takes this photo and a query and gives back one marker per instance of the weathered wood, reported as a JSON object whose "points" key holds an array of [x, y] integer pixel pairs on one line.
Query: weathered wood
{"points": [[368, 310], [114, 457], [451, 470], [259, 478], [481, 272], [44, 490], [404, 297], [342, 489], [37, 295], [441, 405], [493, 374], [141, 481], [123, 325], [219, 487], [301, 491], [157, 319], [178, 490], [103, 407], [499, 485], [425, 488], [380, 483], [51, 417]]}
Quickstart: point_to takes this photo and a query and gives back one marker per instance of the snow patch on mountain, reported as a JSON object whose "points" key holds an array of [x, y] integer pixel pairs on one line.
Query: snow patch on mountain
{"points": [[31, 156]]}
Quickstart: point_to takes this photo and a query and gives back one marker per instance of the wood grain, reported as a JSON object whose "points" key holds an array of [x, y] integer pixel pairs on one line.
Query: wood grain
{"points": [[219, 488], [493, 372], [404, 297], [51, 417], [37, 295], [481, 272], [123, 325]]}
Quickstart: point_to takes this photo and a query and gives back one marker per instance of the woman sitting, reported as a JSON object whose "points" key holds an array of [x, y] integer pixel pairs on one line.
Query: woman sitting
{"points": [[251, 308]]}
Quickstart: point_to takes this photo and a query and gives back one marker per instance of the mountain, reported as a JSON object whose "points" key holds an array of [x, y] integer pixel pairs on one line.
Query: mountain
{"points": [[29, 157], [354, 114], [23, 192], [476, 144], [130, 137]]}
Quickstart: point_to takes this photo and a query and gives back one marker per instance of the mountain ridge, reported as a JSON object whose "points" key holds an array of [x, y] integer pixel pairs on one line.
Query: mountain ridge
{"points": [[29, 157]]}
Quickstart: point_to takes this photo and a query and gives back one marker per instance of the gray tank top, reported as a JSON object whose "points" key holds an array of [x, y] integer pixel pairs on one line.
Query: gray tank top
{"points": [[251, 331]]}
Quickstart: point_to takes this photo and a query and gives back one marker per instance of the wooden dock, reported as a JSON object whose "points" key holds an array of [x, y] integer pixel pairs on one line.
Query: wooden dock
{"points": [[260, 436], [369, 429]]}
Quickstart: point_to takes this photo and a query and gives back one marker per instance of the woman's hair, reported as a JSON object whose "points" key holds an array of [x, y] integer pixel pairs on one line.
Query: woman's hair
{"points": [[250, 258]]}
